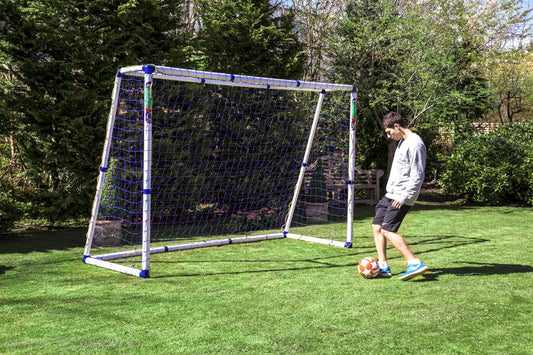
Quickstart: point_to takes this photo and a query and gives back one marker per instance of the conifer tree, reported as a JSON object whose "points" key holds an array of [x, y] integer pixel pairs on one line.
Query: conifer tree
{"points": [[250, 37], [61, 57]]}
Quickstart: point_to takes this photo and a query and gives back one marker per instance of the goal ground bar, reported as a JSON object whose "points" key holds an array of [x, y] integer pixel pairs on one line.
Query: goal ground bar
{"points": [[202, 244], [317, 240]]}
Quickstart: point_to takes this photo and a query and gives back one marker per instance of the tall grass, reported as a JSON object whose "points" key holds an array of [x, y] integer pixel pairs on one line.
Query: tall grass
{"points": [[281, 296]]}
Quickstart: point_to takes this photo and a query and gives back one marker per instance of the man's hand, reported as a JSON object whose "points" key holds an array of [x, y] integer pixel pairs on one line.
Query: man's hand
{"points": [[396, 204]]}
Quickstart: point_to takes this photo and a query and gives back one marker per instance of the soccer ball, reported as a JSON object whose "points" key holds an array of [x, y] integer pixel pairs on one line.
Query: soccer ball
{"points": [[368, 267]]}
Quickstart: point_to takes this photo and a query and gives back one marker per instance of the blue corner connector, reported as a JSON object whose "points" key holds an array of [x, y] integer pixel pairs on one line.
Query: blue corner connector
{"points": [[85, 258], [149, 69], [348, 244], [119, 74], [145, 274]]}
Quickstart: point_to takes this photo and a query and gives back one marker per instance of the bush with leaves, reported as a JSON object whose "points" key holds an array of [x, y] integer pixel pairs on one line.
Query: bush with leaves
{"points": [[494, 168], [10, 209], [59, 60]]}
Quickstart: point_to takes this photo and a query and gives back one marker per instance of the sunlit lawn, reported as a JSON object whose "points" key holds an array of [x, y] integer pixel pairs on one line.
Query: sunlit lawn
{"points": [[281, 296]]}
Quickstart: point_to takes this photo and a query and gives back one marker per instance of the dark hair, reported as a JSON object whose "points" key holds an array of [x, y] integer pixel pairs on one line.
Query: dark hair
{"points": [[391, 118]]}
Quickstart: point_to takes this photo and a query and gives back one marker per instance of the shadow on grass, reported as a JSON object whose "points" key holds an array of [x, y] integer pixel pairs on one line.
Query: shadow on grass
{"points": [[42, 241], [442, 242], [4, 269], [437, 243], [479, 269]]}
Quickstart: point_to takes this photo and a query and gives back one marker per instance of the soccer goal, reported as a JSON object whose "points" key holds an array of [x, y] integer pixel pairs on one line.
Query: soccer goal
{"points": [[195, 159]]}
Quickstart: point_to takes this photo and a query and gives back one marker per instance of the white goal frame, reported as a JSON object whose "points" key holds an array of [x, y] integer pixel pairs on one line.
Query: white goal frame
{"points": [[151, 72]]}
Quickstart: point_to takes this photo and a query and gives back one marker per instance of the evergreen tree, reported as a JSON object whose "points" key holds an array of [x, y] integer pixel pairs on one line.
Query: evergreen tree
{"points": [[249, 37], [61, 56]]}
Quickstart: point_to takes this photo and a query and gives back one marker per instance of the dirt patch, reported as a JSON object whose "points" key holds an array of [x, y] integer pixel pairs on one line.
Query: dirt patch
{"points": [[431, 193]]}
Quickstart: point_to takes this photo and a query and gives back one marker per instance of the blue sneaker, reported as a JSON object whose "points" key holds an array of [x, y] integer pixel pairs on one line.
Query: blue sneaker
{"points": [[414, 270], [386, 273]]}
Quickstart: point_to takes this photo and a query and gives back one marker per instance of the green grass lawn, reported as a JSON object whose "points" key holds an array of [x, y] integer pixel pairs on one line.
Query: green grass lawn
{"points": [[281, 296]]}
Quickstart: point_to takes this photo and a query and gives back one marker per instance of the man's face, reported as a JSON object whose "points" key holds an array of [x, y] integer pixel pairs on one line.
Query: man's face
{"points": [[393, 132]]}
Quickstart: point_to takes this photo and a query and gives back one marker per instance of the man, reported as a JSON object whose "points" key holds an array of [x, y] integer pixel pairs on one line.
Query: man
{"points": [[405, 180]]}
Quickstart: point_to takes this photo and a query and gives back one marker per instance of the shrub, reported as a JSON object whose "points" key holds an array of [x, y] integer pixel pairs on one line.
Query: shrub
{"points": [[10, 209], [493, 169]]}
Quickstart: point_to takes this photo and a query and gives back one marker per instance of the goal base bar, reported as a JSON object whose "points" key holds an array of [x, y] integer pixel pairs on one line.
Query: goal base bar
{"points": [[115, 267], [306, 238], [102, 260]]}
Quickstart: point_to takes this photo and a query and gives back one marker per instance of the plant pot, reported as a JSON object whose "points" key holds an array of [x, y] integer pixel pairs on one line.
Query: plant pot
{"points": [[107, 234], [316, 212]]}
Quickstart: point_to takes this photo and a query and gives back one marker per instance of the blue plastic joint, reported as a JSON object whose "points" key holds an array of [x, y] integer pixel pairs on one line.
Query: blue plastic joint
{"points": [[104, 168], [323, 91], [354, 88], [85, 258], [144, 274], [148, 69], [119, 74], [348, 245], [147, 191], [285, 234]]}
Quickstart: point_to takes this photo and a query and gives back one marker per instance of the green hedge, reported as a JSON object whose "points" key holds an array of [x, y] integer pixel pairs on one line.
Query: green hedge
{"points": [[494, 168], [10, 210]]}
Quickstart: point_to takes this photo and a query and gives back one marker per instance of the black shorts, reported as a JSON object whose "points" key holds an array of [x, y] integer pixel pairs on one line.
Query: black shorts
{"points": [[388, 217]]}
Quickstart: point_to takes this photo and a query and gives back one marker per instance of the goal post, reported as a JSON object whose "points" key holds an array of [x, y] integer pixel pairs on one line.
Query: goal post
{"points": [[194, 159]]}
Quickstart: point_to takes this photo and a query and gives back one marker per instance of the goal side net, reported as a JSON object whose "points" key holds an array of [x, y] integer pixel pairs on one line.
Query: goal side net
{"points": [[194, 159]]}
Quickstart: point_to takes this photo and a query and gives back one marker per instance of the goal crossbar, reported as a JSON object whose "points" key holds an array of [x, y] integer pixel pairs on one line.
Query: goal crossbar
{"points": [[199, 76]]}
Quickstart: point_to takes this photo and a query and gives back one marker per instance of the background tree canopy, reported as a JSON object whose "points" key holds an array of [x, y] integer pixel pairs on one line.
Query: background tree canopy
{"points": [[249, 38], [60, 59], [407, 58], [62, 56], [439, 63]]}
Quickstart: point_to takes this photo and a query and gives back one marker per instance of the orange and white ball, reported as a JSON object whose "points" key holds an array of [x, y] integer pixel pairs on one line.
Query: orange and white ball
{"points": [[368, 267]]}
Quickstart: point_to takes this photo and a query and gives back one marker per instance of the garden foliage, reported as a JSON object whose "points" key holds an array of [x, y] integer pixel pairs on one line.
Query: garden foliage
{"points": [[59, 60], [494, 168]]}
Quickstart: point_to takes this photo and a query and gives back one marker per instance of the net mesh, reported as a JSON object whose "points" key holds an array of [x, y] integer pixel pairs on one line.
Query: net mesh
{"points": [[225, 162]]}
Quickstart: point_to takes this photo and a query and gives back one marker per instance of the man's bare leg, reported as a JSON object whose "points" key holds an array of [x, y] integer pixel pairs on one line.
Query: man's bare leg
{"points": [[381, 248], [380, 241], [399, 243], [414, 265]]}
